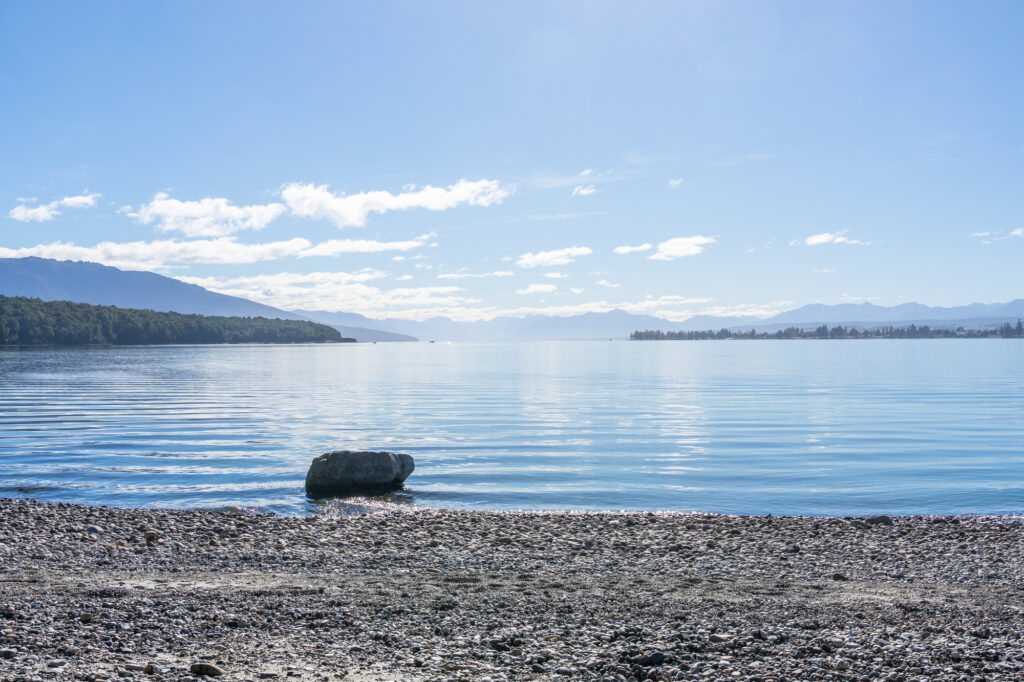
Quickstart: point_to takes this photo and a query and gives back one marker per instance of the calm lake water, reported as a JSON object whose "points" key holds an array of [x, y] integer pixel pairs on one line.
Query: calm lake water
{"points": [[794, 427]]}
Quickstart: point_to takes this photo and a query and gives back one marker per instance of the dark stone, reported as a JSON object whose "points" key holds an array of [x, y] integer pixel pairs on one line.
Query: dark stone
{"points": [[880, 520], [347, 471], [208, 669]]}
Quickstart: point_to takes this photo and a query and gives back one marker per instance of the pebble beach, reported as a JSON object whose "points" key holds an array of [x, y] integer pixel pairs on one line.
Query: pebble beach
{"points": [[402, 593]]}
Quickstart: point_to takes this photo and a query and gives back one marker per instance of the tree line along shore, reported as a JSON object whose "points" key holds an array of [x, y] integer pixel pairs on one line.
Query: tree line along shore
{"points": [[34, 322], [1006, 331]]}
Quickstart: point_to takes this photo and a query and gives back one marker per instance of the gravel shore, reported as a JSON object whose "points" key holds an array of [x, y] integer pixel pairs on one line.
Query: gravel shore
{"points": [[421, 594]]}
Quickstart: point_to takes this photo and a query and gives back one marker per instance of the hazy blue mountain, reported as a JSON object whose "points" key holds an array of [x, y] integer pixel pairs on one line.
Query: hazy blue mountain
{"points": [[868, 314], [84, 282], [343, 322], [103, 285], [616, 324]]}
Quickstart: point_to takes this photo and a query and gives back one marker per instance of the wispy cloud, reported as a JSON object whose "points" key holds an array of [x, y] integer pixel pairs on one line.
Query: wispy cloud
{"points": [[352, 210], [831, 238], [475, 275], [25, 213], [208, 217], [537, 289], [583, 190], [336, 247], [552, 258], [555, 275], [285, 279], [223, 250], [337, 291], [632, 249], [761, 310], [990, 237], [587, 176], [675, 182], [158, 254], [680, 247], [606, 283]]}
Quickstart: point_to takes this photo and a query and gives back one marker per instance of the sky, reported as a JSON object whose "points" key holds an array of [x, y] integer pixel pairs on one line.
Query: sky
{"points": [[471, 160]]}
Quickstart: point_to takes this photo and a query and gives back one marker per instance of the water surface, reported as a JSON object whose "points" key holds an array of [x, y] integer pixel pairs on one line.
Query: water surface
{"points": [[794, 427]]}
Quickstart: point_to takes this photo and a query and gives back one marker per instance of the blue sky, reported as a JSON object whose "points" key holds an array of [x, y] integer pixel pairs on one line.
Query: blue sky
{"points": [[476, 159]]}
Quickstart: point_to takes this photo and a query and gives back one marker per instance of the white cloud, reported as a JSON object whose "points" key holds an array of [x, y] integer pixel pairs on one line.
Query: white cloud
{"points": [[475, 275], [990, 237], [398, 259], [555, 275], [576, 290], [550, 258], [632, 249], [675, 182], [606, 283], [208, 217], [353, 292], [824, 271], [352, 210], [284, 279], [46, 212], [337, 291], [336, 247], [832, 238], [162, 253], [157, 254], [587, 176], [537, 289], [761, 310], [583, 190], [680, 247]]}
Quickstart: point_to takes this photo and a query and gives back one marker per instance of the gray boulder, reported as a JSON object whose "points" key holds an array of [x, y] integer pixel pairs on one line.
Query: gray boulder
{"points": [[344, 471]]}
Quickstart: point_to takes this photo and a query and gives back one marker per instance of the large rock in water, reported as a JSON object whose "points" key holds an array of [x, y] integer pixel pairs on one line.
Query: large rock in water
{"points": [[346, 471]]}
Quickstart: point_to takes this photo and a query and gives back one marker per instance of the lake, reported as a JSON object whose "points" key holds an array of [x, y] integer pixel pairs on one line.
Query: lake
{"points": [[752, 427]]}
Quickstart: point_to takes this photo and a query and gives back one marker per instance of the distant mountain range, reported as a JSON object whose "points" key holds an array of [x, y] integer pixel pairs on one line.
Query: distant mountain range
{"points": [[618, 324], [868, 315], [102, 285], [615, 324], [83, 282]]}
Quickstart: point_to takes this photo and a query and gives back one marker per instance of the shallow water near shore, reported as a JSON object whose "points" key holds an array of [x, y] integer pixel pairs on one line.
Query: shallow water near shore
{"points": [[752, 427]]}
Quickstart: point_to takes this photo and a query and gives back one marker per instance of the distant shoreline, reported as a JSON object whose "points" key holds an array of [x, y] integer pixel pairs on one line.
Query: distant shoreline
{"points": [[838, 332]]}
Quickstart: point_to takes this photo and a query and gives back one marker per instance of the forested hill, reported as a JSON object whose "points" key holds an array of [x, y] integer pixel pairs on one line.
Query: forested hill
{"points": [[33, 322]]}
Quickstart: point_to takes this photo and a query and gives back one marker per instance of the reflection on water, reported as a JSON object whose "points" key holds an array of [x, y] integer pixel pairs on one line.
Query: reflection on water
{"points": [[749, 427]]}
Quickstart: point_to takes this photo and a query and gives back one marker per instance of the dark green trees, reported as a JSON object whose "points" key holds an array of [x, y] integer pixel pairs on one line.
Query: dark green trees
{"points": [[1007, 331], [33, 322]]}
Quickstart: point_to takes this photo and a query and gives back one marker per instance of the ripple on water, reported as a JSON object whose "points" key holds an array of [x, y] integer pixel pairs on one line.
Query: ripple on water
{"points": [[929, 426]]}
